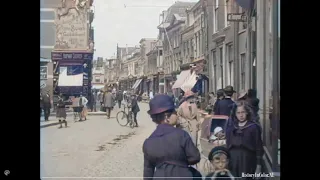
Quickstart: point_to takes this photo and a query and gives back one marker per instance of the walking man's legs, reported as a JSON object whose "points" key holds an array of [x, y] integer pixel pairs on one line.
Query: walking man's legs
{"points": [[46, 111], [108, 109], [119, 103], [135, 118]]}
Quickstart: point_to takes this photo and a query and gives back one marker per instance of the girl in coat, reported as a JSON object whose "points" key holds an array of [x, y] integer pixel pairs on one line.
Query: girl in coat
{"points": [[61, 111], [243, 140], [169, 151]]}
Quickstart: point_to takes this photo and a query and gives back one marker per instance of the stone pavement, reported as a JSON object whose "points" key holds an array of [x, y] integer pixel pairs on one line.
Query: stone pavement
{"points": [[98, 147]]}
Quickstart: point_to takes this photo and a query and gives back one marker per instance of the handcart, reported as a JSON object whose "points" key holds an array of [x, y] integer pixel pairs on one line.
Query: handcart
{"points": [[77, 110], [208, 140]]}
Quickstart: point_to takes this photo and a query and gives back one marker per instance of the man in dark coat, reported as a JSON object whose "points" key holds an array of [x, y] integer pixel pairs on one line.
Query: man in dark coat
{"points": [[119, 98], [135, 108], [225, 105], [46, 104]]}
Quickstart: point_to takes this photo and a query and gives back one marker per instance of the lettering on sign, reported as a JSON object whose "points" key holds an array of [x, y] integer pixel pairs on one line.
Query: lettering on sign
{"points": [[237, 17], [72, 30]]}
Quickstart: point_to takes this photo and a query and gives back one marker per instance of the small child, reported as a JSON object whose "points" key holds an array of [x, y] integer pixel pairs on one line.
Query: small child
{"points": [[219, 158], [218, 136]]}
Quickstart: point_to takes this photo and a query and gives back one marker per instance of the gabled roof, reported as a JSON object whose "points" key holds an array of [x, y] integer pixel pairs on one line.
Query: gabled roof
{"points": [[178, 8]]}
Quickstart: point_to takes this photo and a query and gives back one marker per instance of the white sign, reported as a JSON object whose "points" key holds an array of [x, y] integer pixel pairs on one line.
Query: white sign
{"points": [[71, 29]]}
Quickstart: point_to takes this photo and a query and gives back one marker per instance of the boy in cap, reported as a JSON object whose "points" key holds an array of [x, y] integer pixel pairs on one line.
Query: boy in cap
{"points": [[219, 158]]}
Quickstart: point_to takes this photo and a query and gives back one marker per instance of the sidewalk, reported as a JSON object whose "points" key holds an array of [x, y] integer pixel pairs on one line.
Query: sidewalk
{"points": [[52, 120]]}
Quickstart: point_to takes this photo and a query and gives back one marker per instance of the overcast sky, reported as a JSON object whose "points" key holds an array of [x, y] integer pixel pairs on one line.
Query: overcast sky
{"points": [[113, 23]]}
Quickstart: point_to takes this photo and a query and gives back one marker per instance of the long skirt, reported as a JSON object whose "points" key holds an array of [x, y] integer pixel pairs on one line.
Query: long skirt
{"points": [[61, 113], [242, 161], [84, 112]]}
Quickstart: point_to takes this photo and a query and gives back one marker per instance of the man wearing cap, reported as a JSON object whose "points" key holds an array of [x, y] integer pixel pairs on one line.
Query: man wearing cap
{"points": [[225, 105], [134, 108]]}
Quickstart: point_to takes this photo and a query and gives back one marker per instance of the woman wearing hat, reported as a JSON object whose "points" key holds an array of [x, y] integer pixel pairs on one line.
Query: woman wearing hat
{"points": [[188, 116], [169, 151], [243, 140], [219, 158]]}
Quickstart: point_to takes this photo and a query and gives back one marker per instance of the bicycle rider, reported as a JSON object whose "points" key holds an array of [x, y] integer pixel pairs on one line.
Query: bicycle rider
{"points": [[134, 108]]}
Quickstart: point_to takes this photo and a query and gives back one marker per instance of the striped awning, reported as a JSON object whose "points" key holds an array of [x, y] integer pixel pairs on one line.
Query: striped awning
{"points": [[189, 82], [136, 84], [181, 79]]}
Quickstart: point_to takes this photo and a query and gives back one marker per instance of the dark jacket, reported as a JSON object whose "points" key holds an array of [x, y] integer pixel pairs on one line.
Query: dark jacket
{"points": [[253, 101], [46, 101], [224, 107], [119, 96], [170, 150], [134, 106]]}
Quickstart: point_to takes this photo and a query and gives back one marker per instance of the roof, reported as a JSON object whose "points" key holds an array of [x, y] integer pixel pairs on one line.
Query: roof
{"points": [[147, 39], [123, 50], [178, 8]]}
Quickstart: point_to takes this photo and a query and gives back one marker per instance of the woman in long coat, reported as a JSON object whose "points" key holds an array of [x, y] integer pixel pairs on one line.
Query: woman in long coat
{"points": [[243, 140], [188, 116], [61, 111], [108, 102], [169, 151]]}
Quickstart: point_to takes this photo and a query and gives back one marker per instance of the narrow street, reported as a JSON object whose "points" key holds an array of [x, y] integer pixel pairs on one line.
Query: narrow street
{"points": [[98, 147]]}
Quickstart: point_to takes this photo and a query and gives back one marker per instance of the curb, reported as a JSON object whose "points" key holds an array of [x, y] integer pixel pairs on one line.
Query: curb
{"points": [[49, 124]]}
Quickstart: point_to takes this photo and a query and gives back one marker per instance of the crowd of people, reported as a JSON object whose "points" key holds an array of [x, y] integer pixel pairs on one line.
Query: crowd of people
{"points": [[178, 126]]}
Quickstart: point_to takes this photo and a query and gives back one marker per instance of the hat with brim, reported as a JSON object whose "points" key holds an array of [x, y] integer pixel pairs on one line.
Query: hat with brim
{"points": [[160, 103], [242, 95], [229, 89]]}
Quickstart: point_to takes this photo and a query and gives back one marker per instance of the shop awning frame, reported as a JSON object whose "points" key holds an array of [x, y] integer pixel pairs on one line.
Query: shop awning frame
{"points": [[183, 76], [136, 84]]}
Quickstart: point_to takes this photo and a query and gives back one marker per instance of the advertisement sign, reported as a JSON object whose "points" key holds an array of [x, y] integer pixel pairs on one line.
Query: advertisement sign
{"points": [[71, 56], [71, 27]]}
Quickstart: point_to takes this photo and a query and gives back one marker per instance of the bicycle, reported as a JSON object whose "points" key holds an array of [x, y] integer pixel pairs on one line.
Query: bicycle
{"points": [[121, 115]]}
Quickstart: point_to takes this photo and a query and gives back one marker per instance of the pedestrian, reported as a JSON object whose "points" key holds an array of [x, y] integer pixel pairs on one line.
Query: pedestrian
{"points": [[220, 96], [135, 108], [119, 98], [243, 140], [253, 101], [211, 102], [151, 95], [94, 101], [83, 103], [46, 103], [169, 151], [108, 102], [61, 111], [219, 157], [224, 106], [188, 116]]}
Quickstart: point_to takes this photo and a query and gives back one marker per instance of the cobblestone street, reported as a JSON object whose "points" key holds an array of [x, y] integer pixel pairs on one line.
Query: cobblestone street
{"points": [[98, 147]]}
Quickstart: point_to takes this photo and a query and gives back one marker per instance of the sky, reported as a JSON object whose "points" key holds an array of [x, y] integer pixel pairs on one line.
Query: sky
{"points": [[114, 23]]}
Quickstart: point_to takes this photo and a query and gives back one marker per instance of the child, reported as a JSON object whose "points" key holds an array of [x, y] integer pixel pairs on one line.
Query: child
{"points": [[218, 137], [219, 157]]}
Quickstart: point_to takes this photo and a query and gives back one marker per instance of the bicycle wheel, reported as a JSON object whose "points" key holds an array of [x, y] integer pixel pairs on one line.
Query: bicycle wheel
{"points": [[122, 118]]}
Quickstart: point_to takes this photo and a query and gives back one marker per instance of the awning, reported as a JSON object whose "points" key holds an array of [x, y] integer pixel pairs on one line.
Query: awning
{"points": [[97, 86], [181, 79], [190, 82], [45, 60], [136, 84]]}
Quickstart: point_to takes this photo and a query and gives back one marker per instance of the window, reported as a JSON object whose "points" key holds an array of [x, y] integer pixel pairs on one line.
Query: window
{"points": [[43, 72], [221, 66], [231, 65], [215, 24], [228, 7], [214, 69], [242, 25], [97, 79], [243, 70]]}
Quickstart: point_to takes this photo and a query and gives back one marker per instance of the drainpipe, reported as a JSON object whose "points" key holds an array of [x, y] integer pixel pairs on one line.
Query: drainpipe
{"points": [[276, 86], [236, 67]]}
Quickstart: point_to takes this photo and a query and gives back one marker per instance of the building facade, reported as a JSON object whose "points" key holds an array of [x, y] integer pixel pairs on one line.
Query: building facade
{"points": [[170, 30], [48, 13]]}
